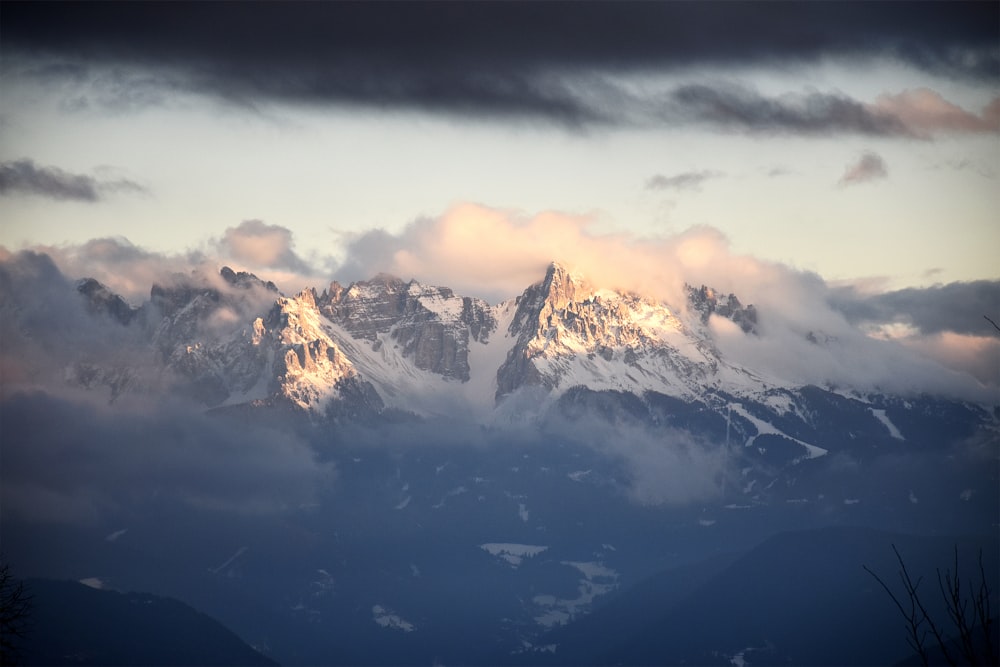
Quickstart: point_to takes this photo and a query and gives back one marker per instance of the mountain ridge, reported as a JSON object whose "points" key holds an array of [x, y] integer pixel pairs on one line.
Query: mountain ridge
{"points": [[398, 331], [389, 344]]}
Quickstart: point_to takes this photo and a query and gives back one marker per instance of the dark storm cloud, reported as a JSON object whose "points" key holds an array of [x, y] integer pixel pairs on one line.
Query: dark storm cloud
{"points": [[958, 307], [23, 177], [689, 180], [537, 60]]}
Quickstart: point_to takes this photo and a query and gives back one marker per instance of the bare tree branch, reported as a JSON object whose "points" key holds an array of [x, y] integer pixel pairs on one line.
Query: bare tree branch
{"points": [[969, 614]]}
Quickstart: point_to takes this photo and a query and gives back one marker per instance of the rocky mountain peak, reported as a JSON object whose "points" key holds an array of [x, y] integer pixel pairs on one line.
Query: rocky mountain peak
{"points": [[307, 297], [245, 280], [367, 307], [102, 301], [388, 282], [171, 299], [569, 332], [557, 290], [707, 301], [562, 286], [431, 325]]}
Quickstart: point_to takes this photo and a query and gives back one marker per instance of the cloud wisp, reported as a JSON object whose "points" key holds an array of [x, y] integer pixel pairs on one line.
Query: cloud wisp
{"points": [[869, 167], [127, 460], [912, 114], [688, 180], [740, 108], [942, 322], [956, 307], [24, 177]]}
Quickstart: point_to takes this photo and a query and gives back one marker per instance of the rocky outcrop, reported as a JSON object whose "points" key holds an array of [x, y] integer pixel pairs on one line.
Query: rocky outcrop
{"points": [[540, 309], [309, 369], [433, 326], [244, 280], [102, 301], [707, 302]]}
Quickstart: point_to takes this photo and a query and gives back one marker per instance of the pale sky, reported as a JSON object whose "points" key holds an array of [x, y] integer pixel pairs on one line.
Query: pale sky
{"points": [[853, 156]]}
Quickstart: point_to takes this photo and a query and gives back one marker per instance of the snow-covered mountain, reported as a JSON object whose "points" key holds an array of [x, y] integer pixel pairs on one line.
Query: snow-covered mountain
{"points": [[232, 341], [563, 349], [423, 349], [383, 347]]}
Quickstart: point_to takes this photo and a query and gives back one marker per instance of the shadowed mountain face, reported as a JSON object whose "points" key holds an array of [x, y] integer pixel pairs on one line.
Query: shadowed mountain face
{"points": [[74, 624]]}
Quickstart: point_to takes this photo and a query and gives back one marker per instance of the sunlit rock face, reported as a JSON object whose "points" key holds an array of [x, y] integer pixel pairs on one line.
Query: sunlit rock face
{"points": [[570, 333], [707, 302]]}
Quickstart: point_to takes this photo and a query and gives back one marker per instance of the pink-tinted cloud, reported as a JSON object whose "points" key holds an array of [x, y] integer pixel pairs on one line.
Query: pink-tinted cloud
{"points": [[926, 112], [259, 245], [127, 269], [869, 167], [130, 270], [496, 253]]}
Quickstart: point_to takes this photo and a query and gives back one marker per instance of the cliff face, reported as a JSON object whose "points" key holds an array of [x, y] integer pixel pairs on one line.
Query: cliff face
{"points": [[707, 302], [432, 325]]}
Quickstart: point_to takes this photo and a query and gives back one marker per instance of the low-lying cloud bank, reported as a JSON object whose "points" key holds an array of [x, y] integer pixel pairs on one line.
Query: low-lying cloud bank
{"points": [[72, 460], [266, 250]]}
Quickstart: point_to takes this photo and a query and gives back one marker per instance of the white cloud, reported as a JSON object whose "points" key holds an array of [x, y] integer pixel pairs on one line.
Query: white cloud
{"points": [[496, 253], [131, 270], [260, 245]]}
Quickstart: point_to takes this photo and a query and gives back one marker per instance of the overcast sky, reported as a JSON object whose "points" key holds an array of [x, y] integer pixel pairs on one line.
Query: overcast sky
{"points": [[858, 141]]}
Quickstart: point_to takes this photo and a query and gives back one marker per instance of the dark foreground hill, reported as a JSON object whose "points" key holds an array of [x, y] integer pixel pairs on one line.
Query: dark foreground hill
{"points": [[799, 598], [74, 624]]}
